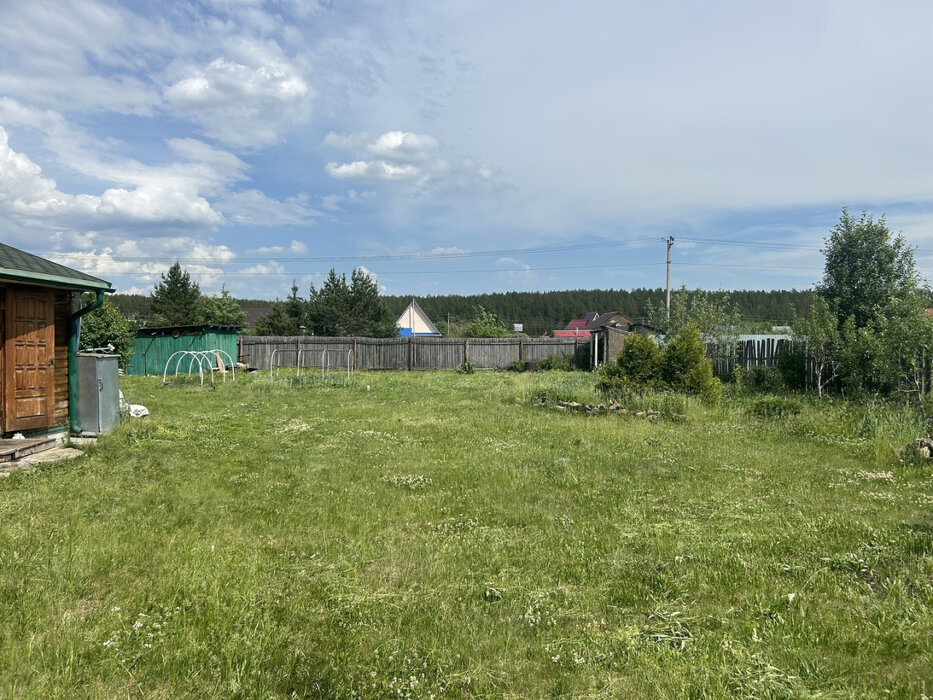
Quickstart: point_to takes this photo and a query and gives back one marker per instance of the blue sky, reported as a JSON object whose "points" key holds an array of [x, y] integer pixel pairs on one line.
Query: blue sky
{"points": [[461, 147]]}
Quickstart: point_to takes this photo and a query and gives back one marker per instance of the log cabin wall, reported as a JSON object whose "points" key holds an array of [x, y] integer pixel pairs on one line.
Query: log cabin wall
{"points": [[63, 304]]}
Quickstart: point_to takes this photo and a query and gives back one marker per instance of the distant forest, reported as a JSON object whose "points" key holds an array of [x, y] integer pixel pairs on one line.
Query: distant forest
{"points": [[541, 312]]}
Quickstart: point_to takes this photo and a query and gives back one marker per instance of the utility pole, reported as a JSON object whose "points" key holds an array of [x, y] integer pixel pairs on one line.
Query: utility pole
{"points": [[670, 242]]}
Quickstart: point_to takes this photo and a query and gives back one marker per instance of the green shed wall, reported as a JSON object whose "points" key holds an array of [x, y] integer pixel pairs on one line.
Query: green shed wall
{"points": [[151, 352]]}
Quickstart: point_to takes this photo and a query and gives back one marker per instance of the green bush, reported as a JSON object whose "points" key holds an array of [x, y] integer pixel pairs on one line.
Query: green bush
{"points": [[613, 385], [792, 364], [465, 368], [642, 367], [686, 369], [640, 360], [765, 379], [106, 326], [611, 382], [556, 362]]}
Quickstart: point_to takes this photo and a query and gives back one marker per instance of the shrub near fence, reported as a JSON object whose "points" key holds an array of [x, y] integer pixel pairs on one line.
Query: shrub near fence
{"points": [[426, 352]]}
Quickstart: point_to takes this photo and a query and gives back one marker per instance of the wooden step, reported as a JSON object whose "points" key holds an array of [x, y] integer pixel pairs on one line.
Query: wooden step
{"points": [[11, 450]]}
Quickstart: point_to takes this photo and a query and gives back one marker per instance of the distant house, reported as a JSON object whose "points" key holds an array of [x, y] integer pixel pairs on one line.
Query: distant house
{"points": [[577, 327], [39, 329], [414, 321], [253, 314], [607, 336]]}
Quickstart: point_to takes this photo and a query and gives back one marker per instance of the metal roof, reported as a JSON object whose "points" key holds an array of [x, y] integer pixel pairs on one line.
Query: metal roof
{"points": [[19, 266], [429, 324], [612, 318], [184, 330]]}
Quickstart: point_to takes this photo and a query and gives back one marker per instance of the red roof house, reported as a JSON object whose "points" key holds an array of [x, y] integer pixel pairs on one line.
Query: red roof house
{"points": [[577, 327]]}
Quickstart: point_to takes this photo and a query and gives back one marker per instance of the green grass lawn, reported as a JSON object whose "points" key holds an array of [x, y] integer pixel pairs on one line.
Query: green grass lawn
{"points": [[436, 534]]}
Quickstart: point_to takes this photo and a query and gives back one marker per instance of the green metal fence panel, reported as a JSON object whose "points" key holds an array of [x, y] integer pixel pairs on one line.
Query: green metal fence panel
{"points": [[151, 352]]}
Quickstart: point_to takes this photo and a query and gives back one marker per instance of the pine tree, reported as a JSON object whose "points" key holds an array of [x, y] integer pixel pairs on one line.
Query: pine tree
{"points": [[175, 300], [296, 308], [276, 322], [369, 314], [329, 307]]}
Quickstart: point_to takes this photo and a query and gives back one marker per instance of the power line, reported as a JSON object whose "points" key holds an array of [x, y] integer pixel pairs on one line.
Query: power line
{"points": [[749, 267], [749, 244]]}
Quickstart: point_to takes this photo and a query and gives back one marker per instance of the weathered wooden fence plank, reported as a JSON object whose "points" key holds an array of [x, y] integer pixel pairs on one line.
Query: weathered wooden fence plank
{"points": [[537, 349], [493, 353], [437, 353], [748, 352], [382, 353]]}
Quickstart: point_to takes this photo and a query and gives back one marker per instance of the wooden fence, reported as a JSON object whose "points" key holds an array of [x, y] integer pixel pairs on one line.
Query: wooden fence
{"points": [[748, 352], [431, 353], [414, 353]]}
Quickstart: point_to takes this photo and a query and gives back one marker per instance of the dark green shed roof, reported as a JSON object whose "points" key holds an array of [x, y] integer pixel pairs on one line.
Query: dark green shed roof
{"points": [[19, 266]]}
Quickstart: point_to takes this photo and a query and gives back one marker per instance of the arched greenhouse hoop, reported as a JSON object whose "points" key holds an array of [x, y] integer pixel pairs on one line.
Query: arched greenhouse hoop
{"points": [[202, 360]]}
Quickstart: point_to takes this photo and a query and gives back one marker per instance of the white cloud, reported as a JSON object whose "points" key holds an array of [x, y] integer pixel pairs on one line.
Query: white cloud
{"points": [[169, 197], [270, 268], [203, 167], [294, 248], [83, 56], [403, 146], [26, 196], [404, 157], [103, 263], [242, 105], [374, 170], [149, 257]]}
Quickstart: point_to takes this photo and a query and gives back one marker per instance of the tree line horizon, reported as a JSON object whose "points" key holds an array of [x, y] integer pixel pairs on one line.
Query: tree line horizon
{"points": [[541, 312]]}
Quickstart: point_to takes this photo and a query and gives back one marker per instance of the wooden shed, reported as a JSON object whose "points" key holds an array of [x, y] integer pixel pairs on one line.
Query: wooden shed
{"points": [[607, 336], [153, 346], [39, 322]]}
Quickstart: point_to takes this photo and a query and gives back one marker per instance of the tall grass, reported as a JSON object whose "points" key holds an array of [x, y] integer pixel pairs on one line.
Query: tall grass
{"points": [[409, 535]]}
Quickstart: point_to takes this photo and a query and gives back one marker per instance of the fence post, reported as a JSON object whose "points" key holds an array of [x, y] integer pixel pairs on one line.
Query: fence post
{"points": [[354, 353], [521, 350], [411, 353], [466, 349]]}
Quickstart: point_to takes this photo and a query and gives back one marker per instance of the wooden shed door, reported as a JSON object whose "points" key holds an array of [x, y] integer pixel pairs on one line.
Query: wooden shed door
{"points": [[29, 359]]}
